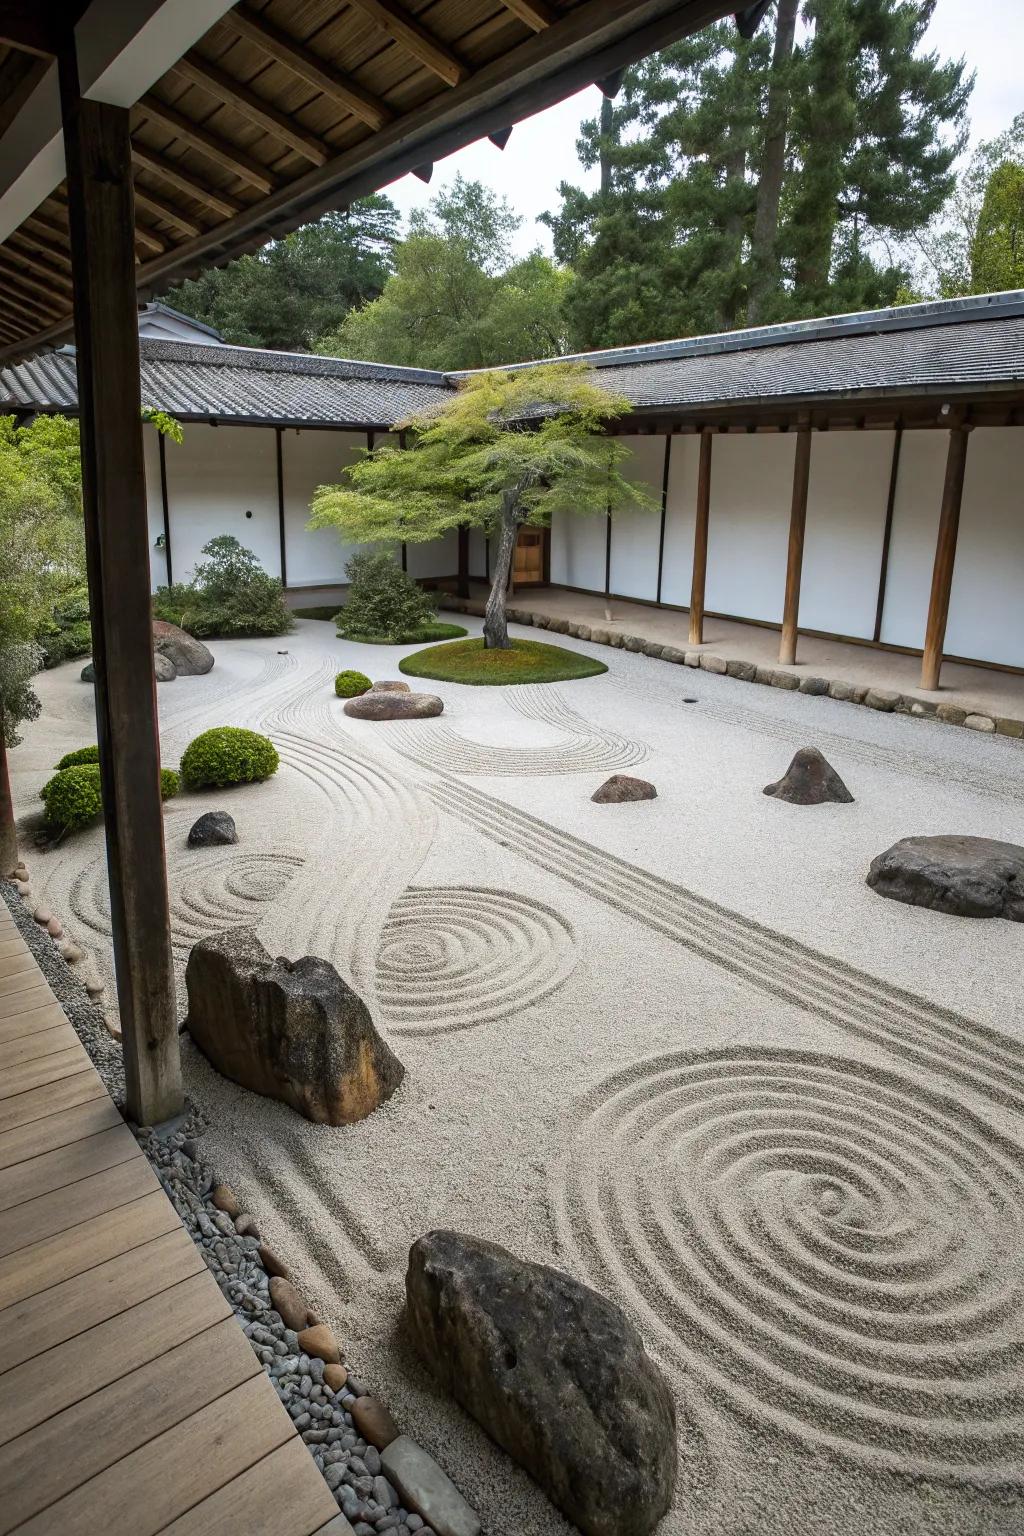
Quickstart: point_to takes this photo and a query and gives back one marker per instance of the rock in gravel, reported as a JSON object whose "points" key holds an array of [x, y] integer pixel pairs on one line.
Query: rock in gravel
{"points": [[335, 1376], [320, 1343], [55, 928], [288, 1302], [271, 1263], [293, 1031], [555, 1373], [224, 1199], [376, 705], [164, 669], [390, 686], [373, 1421], [189, 655], [622, 787], [245, 1226], [423, 1487], [70, 952], [212, 829], [810, 779], [965, 876], [42, 915]]}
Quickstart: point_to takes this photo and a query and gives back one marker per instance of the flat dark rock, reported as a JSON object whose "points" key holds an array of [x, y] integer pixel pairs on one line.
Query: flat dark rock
{"points": [[810, 779], [293, 1031], [384, 705], [622, 787], [212, 829], [554, 1372], [965, 876]]}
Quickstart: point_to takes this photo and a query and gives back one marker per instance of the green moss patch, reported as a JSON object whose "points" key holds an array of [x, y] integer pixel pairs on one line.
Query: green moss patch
{"points": [[420, 636], [526, 661]]}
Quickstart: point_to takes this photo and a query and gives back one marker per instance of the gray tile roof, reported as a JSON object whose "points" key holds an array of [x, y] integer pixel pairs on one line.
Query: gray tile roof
{"points": [[954, 344]]}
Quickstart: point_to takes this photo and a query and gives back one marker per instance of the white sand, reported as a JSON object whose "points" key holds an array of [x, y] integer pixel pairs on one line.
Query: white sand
{"points": [[678, 1048]]}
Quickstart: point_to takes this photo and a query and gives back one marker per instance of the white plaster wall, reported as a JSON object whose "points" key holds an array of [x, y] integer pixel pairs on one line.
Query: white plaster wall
{"points": [[915, 521], [214, 477], [846, 499], [986, 611], [310, 459], [680, 516], [578, 546], [751, 496], [636, 532], [478, 553], [154, 506], [438, 558]]}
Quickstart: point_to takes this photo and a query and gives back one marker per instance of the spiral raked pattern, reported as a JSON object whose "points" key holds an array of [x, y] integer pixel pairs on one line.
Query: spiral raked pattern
{"points": [[456, 956], [835, 1250]]}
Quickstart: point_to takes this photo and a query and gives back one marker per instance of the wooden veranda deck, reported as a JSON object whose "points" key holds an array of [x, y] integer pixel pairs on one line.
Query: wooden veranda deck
{"points": [[131, 1403]]}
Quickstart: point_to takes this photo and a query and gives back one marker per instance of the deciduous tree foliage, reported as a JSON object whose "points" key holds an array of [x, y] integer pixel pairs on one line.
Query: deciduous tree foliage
{"points": [[508, 448], [954, 248]]}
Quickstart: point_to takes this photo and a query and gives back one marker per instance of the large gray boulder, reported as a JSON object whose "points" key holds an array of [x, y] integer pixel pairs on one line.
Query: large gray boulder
{"points": [[966, 876], [164, 669], [382, 704], [189, 655], [810, 779], [555, 1373], [293, 1031]]}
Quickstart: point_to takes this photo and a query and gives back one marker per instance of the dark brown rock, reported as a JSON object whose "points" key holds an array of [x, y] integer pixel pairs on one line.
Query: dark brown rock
{"points": [[224, 1199], [320, 1342], [964, 876], [271, 1263], [377, 705], [554, 1373], [245, 1226], [373, 1422], [335, 1377], [189, 655], [809, 780], [622, 787], [290, 1304], [290, 1031]]}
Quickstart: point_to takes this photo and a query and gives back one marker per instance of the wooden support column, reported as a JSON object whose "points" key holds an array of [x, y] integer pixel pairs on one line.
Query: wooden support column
{"points": [[945, 556], [462, 585], [281, 528], [700, 540], [795, 559], [101, 219]]}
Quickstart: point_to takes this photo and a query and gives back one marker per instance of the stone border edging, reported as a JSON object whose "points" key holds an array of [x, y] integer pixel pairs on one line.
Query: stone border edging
{"points": [[881, 699]]}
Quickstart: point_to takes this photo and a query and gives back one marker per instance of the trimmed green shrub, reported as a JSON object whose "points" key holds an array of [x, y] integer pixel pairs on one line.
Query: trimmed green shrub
{"points": [[79, 756], [227, 755], [383, 600], [348, 684], [72, 797], [230, 594], [170, 783]]}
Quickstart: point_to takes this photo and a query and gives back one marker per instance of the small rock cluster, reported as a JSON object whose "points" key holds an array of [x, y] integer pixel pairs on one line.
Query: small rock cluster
{"points": [[175, 654], [775, 677], [51, 925]]}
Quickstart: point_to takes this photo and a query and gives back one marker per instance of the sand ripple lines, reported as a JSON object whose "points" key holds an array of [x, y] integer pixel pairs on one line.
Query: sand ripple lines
{"points": [[454, 957], [232, 890], [831, 1246], [583, 747]]}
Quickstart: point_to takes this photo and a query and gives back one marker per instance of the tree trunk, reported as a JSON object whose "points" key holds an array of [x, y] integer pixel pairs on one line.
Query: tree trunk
{"points": [[495, 623], [8, 832], [607, 127], [764, 255]]}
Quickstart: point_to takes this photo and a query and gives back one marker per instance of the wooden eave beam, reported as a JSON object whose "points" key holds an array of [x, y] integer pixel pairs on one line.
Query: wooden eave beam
{"points": [[24, 236], [301, 61], [161, 210], [233, 93], [25, 300], [209, 144], [11, 261], [149, 239], [175, 176], [536, 13], [415, 39], [35, 292]]}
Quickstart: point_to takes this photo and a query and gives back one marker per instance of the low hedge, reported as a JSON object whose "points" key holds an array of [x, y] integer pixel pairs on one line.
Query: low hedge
{"points": [[73, 796], [170, 783], [79, 756], [227, 755], [348, 684]]}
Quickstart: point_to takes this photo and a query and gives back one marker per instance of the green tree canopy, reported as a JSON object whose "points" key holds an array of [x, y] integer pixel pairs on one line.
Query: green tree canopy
{"points": [[508, 448], [997, 251], [953, 248], [294, 290]]}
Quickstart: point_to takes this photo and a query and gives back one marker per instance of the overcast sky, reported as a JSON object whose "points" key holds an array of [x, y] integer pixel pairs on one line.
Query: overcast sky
{"points": [[542, 151]]}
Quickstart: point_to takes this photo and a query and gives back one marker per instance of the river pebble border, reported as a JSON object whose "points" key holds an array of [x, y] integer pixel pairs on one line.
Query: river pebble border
{"points": [[323, 1415], [748, 672]]}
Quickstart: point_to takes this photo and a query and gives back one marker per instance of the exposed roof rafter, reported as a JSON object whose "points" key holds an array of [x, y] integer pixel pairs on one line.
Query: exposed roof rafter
{"points": [[209, 144], [176, 176], [415, 39], [233, 93], [295, 56]]}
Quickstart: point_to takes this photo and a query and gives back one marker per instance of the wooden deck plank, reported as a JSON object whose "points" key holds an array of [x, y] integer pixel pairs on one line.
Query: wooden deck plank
{"points": [[56, 1169], [144, 1492], [24, 974], [51, 1098], [20, 1002], [17, 963], [277, 1494], [30, 1020], [49, 1215], [45, 1134], [137, 1454], [41, 1043], [49, 1069], [43, 1265], [12, 944], [46, 1387], [42, 1322]]}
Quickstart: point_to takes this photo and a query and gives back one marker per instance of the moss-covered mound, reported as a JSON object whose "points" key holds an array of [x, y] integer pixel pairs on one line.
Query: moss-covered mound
{"points": [[525, 661]]}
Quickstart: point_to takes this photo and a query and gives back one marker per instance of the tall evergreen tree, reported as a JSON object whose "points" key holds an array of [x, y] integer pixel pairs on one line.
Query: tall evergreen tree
{"points": [[752, 181]]}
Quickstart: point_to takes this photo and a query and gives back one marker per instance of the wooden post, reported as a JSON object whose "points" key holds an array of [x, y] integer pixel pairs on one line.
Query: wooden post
{"points": [[945, 557], [700, 540], [462, 584], [281, 529], [101, 221], [795, 560]]}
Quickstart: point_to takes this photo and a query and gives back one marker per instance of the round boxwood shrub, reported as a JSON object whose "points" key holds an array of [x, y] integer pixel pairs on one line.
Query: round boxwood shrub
{"points": [[72, 797], [348, 684], [227, 755], [79, 756], [170, 783]]}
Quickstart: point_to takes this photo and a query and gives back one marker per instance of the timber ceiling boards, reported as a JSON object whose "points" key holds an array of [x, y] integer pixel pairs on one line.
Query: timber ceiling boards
{"points": [[286, 108]]}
